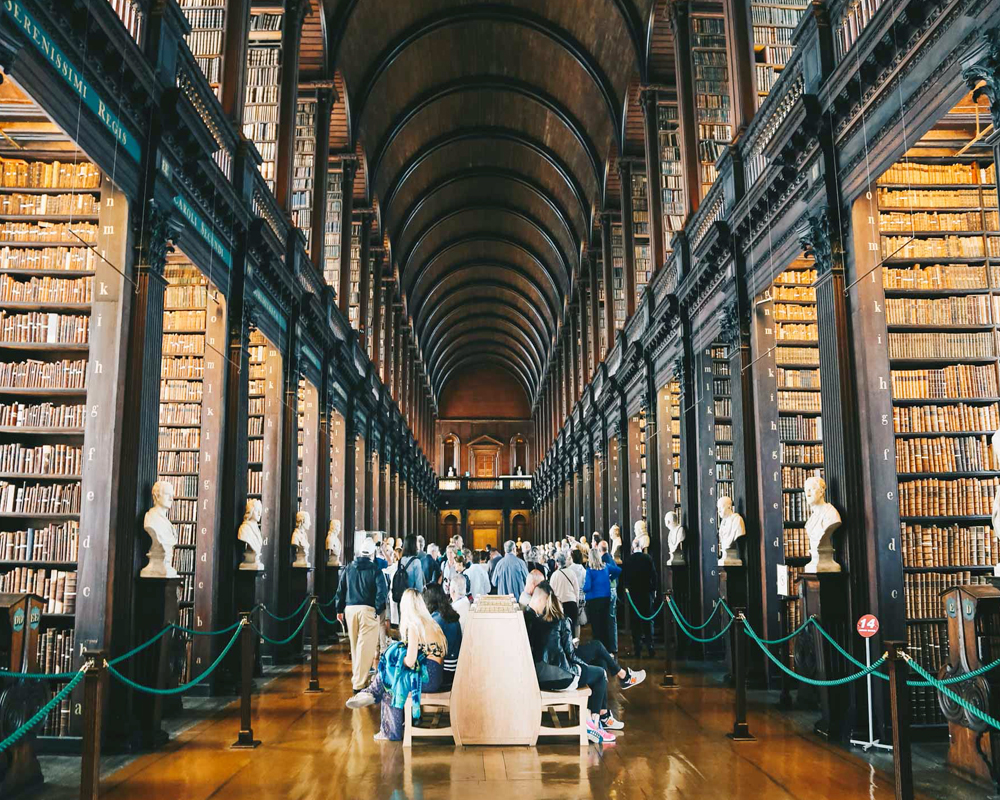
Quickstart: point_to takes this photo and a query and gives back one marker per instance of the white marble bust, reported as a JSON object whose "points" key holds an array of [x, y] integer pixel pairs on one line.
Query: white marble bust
{"points": [[333, 544], [162, 537], [300, 539], [640, 536], [249, 534], [615, 537], [731, 528], [675, 538], [823, 520]]}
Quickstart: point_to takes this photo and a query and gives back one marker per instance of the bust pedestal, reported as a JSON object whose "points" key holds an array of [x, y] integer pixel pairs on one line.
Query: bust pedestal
{"points": [[248, 583], [300, 583], [677, 577], [156, 606], [331, 580], [732, 589], [824, 595]]}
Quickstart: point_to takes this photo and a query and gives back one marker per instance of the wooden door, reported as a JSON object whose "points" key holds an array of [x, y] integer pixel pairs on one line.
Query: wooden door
{"points": [[486, 465]]}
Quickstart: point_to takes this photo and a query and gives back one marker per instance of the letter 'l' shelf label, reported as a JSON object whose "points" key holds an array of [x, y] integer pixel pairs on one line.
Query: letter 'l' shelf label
{"points": [[69, 72]]}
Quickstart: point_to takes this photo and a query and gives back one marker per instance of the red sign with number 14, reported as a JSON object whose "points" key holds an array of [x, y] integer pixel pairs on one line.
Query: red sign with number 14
{"points": [[868, 626]]}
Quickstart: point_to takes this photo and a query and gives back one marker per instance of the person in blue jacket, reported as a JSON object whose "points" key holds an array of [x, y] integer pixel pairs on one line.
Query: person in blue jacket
{"points": [[597, 590]]}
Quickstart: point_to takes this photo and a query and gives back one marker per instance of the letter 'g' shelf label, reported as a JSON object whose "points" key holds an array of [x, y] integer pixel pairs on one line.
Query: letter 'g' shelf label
{"points": [[35, 34]]}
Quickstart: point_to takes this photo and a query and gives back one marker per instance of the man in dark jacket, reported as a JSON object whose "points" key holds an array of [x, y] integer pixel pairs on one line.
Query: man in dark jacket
{"points": [[639, 577], [360, 600]]}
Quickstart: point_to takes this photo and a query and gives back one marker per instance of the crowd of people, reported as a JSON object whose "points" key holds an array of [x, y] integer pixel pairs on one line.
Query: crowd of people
{"points": [[410, 586]]}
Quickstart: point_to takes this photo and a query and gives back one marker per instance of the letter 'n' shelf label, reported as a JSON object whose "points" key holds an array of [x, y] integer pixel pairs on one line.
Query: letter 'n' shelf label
{"points": [[69, 72]]}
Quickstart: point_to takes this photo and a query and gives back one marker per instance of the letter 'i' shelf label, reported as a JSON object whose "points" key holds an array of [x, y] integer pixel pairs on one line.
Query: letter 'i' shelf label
{"points": [[55, 56]]}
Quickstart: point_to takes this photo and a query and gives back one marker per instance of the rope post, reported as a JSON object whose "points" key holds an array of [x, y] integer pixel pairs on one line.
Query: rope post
{"points": [[314, 687], [741, 731], [93, 713], [669, 642], [785, 700], [245, 741], [899, 700]]}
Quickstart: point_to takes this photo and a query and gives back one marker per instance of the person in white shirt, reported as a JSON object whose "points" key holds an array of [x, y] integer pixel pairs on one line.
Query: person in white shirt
{"points": [[393, 557], [534, 578], [478, 576], [577, 568], [566, 587], [460, 598]]}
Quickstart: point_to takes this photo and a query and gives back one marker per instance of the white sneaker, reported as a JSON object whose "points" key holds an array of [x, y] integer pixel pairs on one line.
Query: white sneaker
{"points": [[599, 736], [609, 723], [633, 678], [361, 700]]}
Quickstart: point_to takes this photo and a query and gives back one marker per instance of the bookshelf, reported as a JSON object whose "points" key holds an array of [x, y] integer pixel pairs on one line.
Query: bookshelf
{"points": [[338, 443], [302, 167], [638, 476], [618, 274], [722, 405], [354, 302], [713, 108], [671, 171], [263, 86], [773, 24], [640, 232], [370, 307], [334, 211], [673, 416], [602, 305], [587, 323], [207, 19], [939, 241]]}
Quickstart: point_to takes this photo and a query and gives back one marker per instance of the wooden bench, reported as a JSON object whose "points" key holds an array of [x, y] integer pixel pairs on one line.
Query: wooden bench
{"points": [[553, 701], [436, 700]]}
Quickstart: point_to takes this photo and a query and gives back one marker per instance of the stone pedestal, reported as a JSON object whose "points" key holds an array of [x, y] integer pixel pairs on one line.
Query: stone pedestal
{"points": [[676, 577], [159, 665], [248, 592], [331, 580], [824, 596], [294, 651], [732, 589]]}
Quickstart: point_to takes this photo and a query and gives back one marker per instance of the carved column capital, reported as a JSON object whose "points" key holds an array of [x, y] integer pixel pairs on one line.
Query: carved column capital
{"points": [[820, 242], [986, 70]]}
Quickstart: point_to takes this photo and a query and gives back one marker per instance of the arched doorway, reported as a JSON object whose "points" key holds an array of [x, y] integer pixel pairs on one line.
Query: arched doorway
{"points": [[450, 527], [518, 455], [451, 448], [519, 528]]}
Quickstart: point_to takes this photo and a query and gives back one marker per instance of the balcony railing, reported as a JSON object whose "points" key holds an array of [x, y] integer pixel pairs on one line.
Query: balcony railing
{"points": [[505, 483]]}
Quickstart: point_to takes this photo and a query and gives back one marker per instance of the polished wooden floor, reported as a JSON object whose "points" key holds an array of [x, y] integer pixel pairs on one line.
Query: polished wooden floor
{"points": [[314, 748]]}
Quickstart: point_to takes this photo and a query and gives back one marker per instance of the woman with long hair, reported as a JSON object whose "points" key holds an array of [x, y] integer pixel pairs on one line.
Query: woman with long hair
{"points": [[597, 590], [425, 642], [439, 605]]}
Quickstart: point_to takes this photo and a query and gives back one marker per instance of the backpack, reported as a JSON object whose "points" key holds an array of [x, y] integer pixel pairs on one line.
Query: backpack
{"points": [[400, 581]]}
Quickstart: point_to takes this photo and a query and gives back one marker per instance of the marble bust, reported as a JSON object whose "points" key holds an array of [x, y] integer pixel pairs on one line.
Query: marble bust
{"points": [[823, 520], [162, 537], [731, 528], [300, 539], [640, 536], [675, 538], [615, 537], [249, 534], [333, 544]]}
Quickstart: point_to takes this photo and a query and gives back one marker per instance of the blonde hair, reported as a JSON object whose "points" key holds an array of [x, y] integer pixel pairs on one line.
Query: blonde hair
{"points": [[595, 561], [416, 621], [553, 608]]}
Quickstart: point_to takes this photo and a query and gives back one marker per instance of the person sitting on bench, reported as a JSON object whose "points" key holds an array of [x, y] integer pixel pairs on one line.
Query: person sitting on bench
{"points": [[447, 618]]}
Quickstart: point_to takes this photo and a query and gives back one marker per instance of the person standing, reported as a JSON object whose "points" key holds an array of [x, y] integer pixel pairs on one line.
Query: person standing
{"points": [[360, 599], [639, 577], [597, 589], [614, 575], [566, 587], [479, 576], [509, 573], [410, 562], [427, 562]]}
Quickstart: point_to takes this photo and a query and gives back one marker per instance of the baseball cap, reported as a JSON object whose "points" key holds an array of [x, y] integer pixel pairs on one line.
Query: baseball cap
{"points": [[368, 547]]}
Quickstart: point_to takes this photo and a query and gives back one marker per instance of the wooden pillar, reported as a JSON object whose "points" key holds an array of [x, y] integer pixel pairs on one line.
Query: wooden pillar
{"points": [[385, 368], [350, 166], [325, 98], [595, 309], [366, 277], [628, 235], [654, 179], [378, 253], [741, 63], [581, 309], [609, 303], [235, 40], [291, 32], [397, 356], [680, 11], [575, 349]]}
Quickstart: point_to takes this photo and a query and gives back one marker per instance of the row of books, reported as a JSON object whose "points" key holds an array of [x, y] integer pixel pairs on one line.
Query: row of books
{"points": [[57, 587], [46, 290], [182, 344], [184, 510], [723, 407], [255, 450], [39, 498], [51, 233], [973, 309], [57, 541], [180, 391], [955, 418], [936, 497], [797, 356], [798, 378], [766, 77], [937, 221], [797, 332], [796, 546], [795, 312], [929, 644], [798, 427], [796, 477], [55, 650], [806, 294], [942, 345], [16, 173], [194, 319], [186, 367], [794, 507], [41, 415], [959, 381], [44, 459], [945, 454], [923, 591], [75, 259], [944, 247], [256, 426], [798, 401], [723, 432], [772, 35], [854, 20], [929, 174], [948, 545], [721, 386], [939, 276], [172, 461], [180, 414], [801, 453], [84, 204], [34, 374], [44, 327]]}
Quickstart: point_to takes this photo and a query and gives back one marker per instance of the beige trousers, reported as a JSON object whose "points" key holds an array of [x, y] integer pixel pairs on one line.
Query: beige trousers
{"points": [[362, 630]]}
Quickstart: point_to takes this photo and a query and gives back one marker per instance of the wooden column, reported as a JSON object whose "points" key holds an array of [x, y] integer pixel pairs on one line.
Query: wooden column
{"points": [[741, 63], [291, 32], [654, 179], [350, 470], [365, 284], [397, 355], [325, 98], [235, 40], [595, 309], [582, 311], [680, 20], [628, 236], [350, 166], [573, 358], [387, 343], [378, 252], [609, 303]]}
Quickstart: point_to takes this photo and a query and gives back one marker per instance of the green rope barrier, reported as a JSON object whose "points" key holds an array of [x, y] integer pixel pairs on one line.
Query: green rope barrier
{"points": [[193, 632], [803, 678], [698, 639], [37, 676], [294, 614], [140, 647], [639, 613], [294, 633], [939, 685], [684, 623], [329, 602], [184, 687], [793, 634], [325, 618], [43, 712]]}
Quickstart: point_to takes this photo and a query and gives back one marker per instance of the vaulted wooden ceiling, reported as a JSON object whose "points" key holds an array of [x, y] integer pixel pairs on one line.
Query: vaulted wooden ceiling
{"points": [[487, 130]]}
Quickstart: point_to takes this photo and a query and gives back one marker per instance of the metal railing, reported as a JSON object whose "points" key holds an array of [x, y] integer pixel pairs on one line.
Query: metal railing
{"points": [[505, 483]]}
